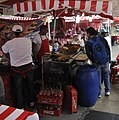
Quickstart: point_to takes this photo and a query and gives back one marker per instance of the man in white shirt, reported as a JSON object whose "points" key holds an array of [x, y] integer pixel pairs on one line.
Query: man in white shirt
{"points": [[20, 52]]}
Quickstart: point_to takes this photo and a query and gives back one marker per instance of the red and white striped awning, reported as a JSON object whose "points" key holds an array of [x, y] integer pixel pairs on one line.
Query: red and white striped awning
{"points": [[10, 113], [94, 7], [18, 18], [85, 18]]}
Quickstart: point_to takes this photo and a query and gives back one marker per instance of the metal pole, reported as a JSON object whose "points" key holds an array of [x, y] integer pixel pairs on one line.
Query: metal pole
{"points": [[54, 32], [108, 25], [75, 26], [49, 35]]}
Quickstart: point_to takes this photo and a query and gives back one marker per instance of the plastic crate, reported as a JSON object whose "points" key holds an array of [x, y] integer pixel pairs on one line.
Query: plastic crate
{"points": [[54, 110], [71, 99]]}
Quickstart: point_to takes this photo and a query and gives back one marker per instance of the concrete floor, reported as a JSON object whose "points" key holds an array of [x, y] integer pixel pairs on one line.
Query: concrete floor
{"points": [[105, 104], [110, 104]]}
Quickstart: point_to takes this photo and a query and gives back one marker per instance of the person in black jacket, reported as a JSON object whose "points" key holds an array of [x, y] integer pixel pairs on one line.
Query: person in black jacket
{"points": [[103, 69]]}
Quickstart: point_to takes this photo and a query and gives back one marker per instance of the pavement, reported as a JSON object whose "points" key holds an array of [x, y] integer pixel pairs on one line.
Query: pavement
{"points": [[82, 111]]}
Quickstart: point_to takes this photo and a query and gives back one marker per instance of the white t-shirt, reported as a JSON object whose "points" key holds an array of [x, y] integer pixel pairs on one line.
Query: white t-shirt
{"points": [[20, 50], [108, 38], [37, 40]]}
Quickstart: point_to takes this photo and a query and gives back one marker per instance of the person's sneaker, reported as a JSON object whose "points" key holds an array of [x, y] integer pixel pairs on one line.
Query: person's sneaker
{"points": [[99, 96], [107, 93]]}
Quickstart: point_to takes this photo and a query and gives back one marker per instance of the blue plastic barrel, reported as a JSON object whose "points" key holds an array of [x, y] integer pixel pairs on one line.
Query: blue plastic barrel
{"points": [[87, 84]]}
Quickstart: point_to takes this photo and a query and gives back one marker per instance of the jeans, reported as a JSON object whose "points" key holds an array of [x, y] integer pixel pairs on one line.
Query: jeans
{"points": [[104, 75], [18, 80]]}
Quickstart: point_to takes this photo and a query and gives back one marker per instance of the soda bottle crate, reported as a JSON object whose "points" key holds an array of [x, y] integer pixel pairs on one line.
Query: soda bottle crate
{"points": [[45, 109], [54, 99], [71, 99], [51, 94]]}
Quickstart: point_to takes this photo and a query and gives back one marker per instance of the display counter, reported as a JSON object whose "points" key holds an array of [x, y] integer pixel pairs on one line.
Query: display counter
{"points": [[61, 71]]}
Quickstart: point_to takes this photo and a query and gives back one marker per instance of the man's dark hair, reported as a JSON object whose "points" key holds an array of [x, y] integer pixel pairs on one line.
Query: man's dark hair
{"points": [[91, 31]]}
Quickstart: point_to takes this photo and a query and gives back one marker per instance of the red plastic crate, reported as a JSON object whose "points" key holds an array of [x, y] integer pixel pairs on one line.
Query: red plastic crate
{"points": [[54, 99], [117, 58], [50, 100], [44, 110], [71, 99], [114, 76]]}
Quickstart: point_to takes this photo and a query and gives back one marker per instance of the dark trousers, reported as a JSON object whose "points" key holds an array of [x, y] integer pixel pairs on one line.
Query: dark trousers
{"points": [[22, 75]]}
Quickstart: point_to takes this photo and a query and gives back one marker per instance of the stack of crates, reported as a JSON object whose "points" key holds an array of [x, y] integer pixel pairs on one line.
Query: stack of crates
{"points": [[50, 100]]}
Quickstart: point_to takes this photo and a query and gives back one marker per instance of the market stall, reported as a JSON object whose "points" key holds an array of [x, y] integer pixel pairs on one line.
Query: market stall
{"points": [[60, 66], [103, 8], [7, 21]]}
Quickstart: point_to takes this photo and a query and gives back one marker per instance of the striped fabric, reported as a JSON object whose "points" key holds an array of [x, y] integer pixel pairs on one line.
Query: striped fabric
{"points": [[18, 18], [97, 7], [10, 113]]}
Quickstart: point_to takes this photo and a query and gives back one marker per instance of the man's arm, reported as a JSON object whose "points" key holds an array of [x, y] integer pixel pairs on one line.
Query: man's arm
{"points": [[5, 51], [107, 47], [36, 45], [89, 51]]}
